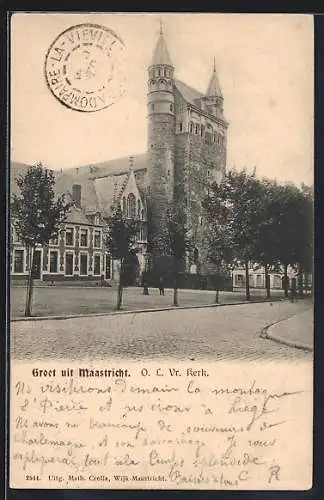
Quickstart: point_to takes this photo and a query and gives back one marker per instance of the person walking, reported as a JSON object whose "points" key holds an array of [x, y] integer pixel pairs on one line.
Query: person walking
{"points": [[161, 285]]}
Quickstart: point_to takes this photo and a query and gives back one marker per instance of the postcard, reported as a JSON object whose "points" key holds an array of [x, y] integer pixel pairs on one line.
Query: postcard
{"points": [[161, 249]]}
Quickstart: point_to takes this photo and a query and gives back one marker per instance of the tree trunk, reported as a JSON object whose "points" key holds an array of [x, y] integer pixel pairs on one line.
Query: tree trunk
{"points": [[175, 296], [175, 287], [286, 280], [267, 280], [30, 283], [247, 283], [120, 289], [300, 281]]}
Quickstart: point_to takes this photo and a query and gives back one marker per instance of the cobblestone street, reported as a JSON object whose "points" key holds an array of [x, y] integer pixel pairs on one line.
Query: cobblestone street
{"points": [[227, 332]]}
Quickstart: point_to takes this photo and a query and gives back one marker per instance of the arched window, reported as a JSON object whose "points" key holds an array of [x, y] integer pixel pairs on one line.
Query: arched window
{"points": [[138, 208], [124, 205], [202, 130], [131, 206]]}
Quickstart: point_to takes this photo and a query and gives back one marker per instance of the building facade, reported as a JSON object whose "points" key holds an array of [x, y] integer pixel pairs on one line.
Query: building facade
{"points": [[187, 143]]}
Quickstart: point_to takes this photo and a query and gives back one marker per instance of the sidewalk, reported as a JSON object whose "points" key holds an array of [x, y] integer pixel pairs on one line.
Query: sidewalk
{"points": [[296, 331]]}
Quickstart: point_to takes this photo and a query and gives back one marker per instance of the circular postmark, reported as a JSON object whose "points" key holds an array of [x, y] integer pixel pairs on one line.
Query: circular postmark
{"points": [[84, 67]]}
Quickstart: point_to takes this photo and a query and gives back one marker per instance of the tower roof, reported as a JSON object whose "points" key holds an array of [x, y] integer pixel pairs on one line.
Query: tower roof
{"points": [[161, 53], [214, 88]]}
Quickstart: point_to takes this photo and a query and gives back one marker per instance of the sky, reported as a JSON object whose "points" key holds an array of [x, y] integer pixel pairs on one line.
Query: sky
{"points": [[264, 64]]}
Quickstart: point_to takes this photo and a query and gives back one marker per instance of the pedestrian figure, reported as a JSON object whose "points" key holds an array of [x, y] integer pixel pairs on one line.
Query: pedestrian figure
{"points": [[161, 285]]}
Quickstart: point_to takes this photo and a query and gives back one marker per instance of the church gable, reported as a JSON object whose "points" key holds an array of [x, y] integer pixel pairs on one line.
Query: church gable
{"points": [[130, 198]]}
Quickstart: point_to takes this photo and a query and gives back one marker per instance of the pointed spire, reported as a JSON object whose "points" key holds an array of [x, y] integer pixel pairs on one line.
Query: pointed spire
{"points": [[161, 53], [214, 88]]}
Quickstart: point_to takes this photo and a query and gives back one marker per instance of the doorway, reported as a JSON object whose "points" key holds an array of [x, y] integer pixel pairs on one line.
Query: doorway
{"points": [[36, 273]]}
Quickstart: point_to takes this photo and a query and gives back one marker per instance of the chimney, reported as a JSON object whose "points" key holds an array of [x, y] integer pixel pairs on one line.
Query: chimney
{"points": [[76, 195]]}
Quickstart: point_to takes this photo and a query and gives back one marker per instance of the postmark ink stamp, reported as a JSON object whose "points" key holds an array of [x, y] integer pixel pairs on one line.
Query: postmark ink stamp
{"points": [[83, 67]]}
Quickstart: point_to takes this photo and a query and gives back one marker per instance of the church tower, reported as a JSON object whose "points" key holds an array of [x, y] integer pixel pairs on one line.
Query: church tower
{"points": [[161, 144], [214, 99]]}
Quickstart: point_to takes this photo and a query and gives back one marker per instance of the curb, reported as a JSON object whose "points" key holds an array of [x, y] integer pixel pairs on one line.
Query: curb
{"points": [[136, 311], [280, 340]]}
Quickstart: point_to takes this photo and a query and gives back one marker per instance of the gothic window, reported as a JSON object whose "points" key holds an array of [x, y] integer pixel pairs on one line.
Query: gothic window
{"points": [[138, 208], [124, 205], [142, 214], [131, 206]]}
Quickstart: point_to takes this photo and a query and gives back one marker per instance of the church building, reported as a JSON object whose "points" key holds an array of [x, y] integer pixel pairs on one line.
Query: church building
{"points": [[186, 152]]}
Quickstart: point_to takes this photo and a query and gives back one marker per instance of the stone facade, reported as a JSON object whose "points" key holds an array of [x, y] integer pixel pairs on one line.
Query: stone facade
{"points": [[186, 147]]}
